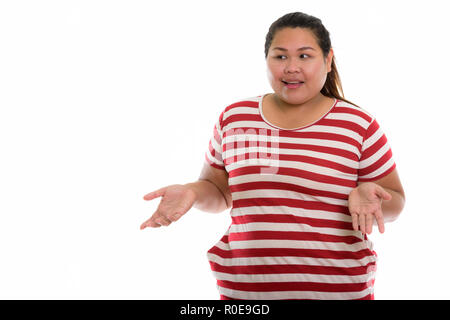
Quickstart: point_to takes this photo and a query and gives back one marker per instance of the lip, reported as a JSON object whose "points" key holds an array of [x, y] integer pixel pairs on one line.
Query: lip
{"points": [[293, 85], [292, 80]]}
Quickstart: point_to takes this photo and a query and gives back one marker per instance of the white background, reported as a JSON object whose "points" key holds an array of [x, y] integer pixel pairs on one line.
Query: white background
{"points": [[102, 102]]}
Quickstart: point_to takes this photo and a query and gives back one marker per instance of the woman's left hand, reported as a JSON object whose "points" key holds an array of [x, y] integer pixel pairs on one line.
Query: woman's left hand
{"points": [[364, 203]]}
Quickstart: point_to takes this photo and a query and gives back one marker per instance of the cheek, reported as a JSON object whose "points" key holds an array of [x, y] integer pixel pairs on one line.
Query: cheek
{"points": [[273, 73], [270, 75], [275, 83], [315, 73]]}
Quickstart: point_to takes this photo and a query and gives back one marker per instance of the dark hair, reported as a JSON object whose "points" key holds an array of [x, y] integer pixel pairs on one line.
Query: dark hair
{"points": [[333, 85]]}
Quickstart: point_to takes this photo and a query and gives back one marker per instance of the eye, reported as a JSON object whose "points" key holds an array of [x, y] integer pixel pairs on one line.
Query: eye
{"points": [[282, 57]]}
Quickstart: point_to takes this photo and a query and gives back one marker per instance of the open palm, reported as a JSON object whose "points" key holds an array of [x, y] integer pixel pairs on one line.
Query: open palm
{"points": [[364, 203], [176, 200]]}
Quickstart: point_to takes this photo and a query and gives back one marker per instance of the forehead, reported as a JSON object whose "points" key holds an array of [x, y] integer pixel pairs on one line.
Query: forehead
{"points": [[294, 37]]}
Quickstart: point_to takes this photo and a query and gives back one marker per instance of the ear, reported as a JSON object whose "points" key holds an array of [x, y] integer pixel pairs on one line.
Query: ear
{"points": [[330, 59]]}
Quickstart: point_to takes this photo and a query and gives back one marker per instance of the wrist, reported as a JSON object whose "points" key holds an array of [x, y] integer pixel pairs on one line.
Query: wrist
{"points": [[194, 188]]}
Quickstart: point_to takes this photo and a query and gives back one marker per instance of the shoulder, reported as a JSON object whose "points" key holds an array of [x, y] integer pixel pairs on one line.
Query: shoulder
{"points": [[249, 102], [351, 112], [245, 106]]}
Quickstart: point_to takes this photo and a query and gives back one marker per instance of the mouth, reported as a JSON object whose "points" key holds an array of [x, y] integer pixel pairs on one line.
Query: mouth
{"points": [[292, 84]]}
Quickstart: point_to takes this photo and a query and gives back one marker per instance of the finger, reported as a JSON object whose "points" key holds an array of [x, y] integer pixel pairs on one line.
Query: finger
{"points": [[362, 223], [355, 221], [151, 221], [369, 223], [163, 221], [155, 194], [145, 224], [174, 217], [153, 224], [149, 224], [380, 220]]}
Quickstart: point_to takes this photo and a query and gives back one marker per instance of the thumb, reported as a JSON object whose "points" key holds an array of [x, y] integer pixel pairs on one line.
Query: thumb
{"points": [[383, 194], [155, 194], [387, 196]]}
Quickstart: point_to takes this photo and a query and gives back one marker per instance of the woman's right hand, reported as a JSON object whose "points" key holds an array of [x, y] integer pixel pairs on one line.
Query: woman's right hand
{"points": [[176, 200]]}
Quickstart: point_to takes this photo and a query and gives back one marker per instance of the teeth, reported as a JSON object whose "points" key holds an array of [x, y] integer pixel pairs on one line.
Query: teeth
{"points": [[293, 82]]}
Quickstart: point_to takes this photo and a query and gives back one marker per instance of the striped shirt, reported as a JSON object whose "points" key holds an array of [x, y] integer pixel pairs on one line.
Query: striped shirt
{"points": [[291, 234]]}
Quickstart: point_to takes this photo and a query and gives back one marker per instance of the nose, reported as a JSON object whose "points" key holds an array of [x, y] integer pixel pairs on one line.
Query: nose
{"points": [[292, 66]]}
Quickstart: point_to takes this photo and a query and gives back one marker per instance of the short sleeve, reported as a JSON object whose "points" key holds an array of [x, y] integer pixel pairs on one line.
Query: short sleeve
{"points": [[213, 155], [376, 155]]}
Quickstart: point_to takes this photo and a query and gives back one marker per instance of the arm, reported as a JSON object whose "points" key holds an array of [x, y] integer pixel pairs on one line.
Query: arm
{"points": [[212, 190], [208, 196], [392, 208]]}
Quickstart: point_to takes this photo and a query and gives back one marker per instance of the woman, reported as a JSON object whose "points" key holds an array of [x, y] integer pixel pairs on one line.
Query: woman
{"points": [[300, 217]]}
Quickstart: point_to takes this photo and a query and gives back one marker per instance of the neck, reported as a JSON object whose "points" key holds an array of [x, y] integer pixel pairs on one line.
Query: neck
{"points": [[307, 105]]}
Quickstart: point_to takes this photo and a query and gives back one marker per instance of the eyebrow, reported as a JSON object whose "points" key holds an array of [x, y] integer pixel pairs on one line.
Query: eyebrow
{"points": [[299, 49]]}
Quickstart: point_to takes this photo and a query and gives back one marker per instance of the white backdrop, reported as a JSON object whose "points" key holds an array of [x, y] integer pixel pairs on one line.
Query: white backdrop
{"points": [[102, 102]]}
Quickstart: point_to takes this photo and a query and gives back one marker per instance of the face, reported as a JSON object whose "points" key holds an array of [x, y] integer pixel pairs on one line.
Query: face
{"points": [[297, 75]]}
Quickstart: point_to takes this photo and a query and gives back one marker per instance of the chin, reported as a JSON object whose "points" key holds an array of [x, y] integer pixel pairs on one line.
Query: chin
{"points": [[292, 97]]}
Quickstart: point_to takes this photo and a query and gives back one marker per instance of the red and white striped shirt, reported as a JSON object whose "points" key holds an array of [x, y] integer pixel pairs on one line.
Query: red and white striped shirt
{"points": [[291, 234]]}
